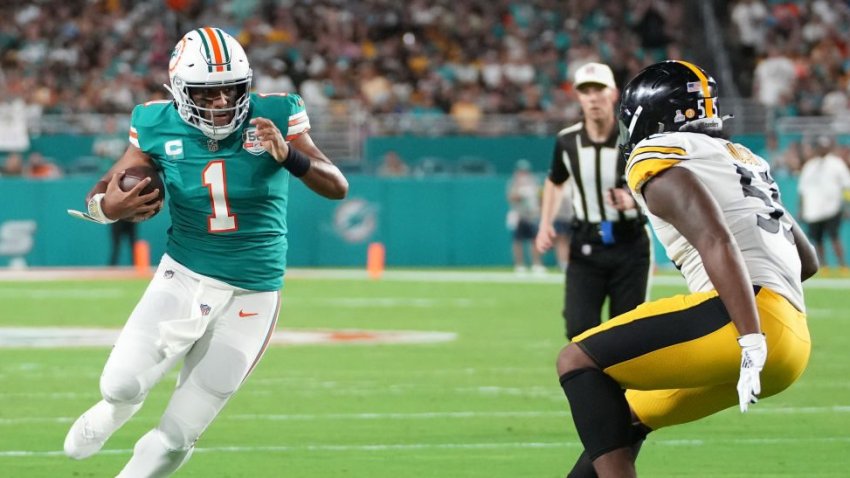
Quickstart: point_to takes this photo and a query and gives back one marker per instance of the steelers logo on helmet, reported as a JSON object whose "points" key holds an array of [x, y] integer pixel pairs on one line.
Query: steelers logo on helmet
{"points": [[668, 96], [210, 80]]}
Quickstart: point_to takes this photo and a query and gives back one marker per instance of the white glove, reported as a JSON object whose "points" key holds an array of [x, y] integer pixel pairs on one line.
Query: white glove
{"points": [[753, 356]]}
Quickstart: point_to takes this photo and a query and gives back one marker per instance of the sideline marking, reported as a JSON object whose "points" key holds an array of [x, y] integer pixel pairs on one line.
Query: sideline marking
{"points": [[57, 337]]}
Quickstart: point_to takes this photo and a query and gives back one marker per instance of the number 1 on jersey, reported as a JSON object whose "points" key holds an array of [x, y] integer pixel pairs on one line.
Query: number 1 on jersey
{"points": [[214, 178]]}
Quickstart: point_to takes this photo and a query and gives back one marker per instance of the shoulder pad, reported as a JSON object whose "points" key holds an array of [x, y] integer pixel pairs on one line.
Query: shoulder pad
{"points": [[147, 115], [150, 113], [287, 110], [653, 155]]}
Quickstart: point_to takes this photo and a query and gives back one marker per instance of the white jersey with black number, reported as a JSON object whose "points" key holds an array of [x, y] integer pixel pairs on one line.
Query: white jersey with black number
{"points": [[741, 184]]}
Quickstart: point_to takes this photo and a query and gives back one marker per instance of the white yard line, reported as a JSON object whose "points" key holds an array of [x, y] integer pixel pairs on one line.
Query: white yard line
{"points": [[56, 337], [391, 447], [391, 416], [448, 275], [378, 302], [39, 274], [74, 293], [408, 275]]}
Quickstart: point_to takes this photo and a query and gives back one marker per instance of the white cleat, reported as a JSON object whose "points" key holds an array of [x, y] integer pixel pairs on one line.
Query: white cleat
{"points": [[88, 434]]}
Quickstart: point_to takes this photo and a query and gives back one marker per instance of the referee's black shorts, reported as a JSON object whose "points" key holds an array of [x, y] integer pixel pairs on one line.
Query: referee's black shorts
{"points": [[618, 271]]}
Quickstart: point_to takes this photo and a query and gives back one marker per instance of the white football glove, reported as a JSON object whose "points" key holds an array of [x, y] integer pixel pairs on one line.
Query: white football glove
{"points": [[753, 356]]}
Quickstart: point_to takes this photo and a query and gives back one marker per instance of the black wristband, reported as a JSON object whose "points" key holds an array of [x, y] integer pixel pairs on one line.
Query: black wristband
{"points": [[296, 162]]}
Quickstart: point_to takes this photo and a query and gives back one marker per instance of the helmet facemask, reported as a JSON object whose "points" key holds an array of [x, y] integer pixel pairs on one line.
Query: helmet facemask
{"points": [[203, 117]]}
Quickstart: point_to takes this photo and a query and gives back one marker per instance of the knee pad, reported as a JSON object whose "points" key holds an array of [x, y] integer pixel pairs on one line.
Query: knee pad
{"points": [[221, 372], [599, 409], [121, 387]]}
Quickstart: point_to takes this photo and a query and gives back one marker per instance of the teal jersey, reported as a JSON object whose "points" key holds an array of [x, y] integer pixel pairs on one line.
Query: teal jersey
{"points": [[227, 198]]}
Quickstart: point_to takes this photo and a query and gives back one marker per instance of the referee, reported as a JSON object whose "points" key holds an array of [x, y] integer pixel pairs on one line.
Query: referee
{"points": [[610, 248]]}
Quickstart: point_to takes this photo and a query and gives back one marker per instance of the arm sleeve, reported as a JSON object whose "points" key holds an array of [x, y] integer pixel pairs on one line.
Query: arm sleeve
{"points": [[298, 122], [558, 172], [286, 110], [134, 132], [145, 121]]}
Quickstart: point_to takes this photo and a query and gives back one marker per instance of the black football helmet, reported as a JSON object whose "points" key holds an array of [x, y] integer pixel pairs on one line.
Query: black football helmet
{"points": [[668, 96]]}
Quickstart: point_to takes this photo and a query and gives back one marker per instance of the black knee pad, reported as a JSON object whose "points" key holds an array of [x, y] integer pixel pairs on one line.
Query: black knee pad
{"points": [[599, 409]]}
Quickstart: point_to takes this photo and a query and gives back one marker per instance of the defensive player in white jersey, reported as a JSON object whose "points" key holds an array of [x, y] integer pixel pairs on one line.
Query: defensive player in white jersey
{"points": [[716, 209], [226, 156]]}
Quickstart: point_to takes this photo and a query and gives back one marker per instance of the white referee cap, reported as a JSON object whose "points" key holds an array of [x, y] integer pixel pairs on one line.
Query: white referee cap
{"points": [[597, 73]]}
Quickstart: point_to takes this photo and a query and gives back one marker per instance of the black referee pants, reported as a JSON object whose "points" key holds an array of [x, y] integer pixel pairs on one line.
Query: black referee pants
{"points": [[619, 272]]}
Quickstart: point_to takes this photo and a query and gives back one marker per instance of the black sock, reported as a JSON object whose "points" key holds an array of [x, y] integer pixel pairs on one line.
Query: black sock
{"points": [[583, 467], [599, 409], [639, 433]]}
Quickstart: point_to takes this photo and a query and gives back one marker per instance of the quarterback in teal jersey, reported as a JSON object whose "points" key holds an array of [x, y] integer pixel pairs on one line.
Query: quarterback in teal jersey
{"points": [[225, 155]]}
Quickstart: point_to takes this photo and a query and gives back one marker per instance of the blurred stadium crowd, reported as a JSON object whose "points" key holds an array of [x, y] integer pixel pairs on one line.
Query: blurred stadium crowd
{"points": [[422, 60], [463, 57], [793, 55]]}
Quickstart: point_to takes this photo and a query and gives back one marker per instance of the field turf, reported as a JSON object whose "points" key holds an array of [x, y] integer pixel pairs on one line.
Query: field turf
{"points": [[486, 404]]}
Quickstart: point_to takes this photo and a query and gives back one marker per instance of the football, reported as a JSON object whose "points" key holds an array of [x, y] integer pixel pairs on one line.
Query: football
{"points": [[133, 175]]}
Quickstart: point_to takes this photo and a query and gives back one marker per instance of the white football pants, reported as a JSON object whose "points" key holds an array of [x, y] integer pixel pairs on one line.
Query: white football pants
{"points": [[221, 331]]}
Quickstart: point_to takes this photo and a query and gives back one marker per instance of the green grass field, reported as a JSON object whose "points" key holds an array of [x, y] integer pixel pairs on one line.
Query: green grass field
{"points": [[486, 404]]}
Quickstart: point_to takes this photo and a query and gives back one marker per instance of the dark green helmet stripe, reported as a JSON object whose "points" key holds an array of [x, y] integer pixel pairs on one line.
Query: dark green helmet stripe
{"points": [[223, 47], [206, 44]]}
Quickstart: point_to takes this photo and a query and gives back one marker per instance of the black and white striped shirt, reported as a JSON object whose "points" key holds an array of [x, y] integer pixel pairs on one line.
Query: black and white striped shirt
{"points": [[595, 168]]}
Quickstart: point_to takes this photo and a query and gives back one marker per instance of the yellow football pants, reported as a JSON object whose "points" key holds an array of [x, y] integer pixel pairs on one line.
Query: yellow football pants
{"points": [[679, 360]]}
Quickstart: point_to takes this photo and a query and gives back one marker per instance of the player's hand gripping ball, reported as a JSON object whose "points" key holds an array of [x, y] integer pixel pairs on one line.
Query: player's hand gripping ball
{"points": [[136, 174]]}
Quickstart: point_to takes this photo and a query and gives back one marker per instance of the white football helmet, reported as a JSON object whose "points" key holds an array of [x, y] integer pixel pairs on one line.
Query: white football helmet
{"points": [[209, 58]]}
